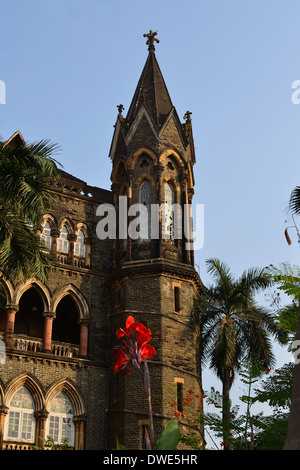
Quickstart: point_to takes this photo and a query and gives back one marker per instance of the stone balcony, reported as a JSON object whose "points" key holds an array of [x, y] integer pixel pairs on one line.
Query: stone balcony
{"points": [[8, 445], [35, 345]]}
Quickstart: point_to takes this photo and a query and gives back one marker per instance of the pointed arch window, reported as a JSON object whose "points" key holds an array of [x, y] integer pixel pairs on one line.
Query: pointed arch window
{"points": [[21, 421], [63, 242], [60, 425], [79, 246], [46, 235], [168, 226], [145, 197]]}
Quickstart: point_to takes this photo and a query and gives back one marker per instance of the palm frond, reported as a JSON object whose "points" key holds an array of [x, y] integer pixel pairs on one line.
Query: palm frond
{"points": [[294, 202], [287, 278]]}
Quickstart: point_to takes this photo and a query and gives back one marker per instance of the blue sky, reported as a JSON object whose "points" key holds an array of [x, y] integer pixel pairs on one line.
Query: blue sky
{"points": [[67, 64]]}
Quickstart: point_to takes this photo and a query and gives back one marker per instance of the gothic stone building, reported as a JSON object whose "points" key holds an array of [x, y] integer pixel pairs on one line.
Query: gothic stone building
{"points": [[57, 376]]}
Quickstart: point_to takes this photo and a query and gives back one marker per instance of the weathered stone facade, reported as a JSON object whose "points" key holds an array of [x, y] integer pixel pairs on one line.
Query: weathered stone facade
{"points": [[59, 337]]}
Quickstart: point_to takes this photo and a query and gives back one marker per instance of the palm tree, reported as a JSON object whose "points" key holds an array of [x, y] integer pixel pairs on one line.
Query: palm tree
{"points": [[293, 433], [27, 172], [233, 327]]}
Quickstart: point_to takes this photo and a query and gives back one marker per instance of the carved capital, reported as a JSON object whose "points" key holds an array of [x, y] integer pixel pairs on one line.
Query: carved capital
{"points": [[3, 410], [158, 169], [130, 175], [72, 237], [79, 419], [184, 178], [50, 315], [41, 414], [11, 308], [115, 188], [55, 233]]}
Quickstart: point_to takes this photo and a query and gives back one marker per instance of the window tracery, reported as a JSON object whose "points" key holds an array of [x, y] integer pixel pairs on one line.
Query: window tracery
{"points": [[79, 246], [46, 235], [21, 421], [145, 197], [63, 242], [168, 228], [60, 425]]}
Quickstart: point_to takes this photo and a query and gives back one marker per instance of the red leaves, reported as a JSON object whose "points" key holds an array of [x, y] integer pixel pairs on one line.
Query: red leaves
{"points": [[137, 350]]}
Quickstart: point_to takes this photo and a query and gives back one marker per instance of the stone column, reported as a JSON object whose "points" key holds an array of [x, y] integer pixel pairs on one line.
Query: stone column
{"points": [[48, 323], [79, 422], [40, 430], [186, 231], [72, 239], [88, 244], [115, 193], [11, 311], [158, 171], [3, 413], [55, 233], [190, 199], [84, 333], [129, 175]]}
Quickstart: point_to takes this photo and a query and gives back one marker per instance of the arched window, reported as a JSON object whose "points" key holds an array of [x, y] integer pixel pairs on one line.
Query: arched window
{"points": [[168, 226], [46, 235], [60, 425], [63, 242], [20, 421], [145, 196], [65, 325], [79, 246]]}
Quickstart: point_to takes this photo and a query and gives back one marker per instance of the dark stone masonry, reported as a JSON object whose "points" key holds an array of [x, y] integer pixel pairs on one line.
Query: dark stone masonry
{"points": [[58, 378]]}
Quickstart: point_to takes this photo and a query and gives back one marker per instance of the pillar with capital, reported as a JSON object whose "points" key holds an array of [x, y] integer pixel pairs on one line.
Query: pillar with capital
{"points": [[48, 323], [11, 311], [79, 422], [3, 413], [84, 333], [129, 175], [185, 203], [40, 432], [72, 239], [55, 233], [158, 172]]}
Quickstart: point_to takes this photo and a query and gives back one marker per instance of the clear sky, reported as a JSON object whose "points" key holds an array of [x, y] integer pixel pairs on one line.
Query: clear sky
{"points": [[67, 64]]}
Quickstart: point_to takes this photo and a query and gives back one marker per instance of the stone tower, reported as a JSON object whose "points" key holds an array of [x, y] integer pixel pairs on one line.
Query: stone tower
{"points": [[57, 376], [153, 278]]}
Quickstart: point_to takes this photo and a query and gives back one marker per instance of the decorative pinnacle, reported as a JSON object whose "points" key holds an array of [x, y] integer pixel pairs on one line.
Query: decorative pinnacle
{"points": [[187, 117], [151, 38], [120, 108]]}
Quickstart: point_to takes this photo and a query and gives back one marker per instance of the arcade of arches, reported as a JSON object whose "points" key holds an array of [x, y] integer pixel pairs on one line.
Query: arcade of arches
{"points": [[30, 324], [28, 415]]}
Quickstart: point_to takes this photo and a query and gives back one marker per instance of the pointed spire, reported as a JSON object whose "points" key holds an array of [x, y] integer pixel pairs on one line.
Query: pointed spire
{"points": [[151, 90]]}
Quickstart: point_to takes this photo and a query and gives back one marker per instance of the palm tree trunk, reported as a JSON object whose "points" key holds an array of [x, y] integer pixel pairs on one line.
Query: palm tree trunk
{"points": [[226, 410], [292, 441]]}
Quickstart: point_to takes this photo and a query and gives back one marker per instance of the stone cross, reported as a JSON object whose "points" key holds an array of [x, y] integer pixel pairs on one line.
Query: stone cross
{"points": [[120, 108], [151, 38], [187, 116]]}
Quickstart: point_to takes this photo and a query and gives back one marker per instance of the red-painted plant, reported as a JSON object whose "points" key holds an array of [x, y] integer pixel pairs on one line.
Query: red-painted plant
{"points": [[138, 348], [135, 351]]}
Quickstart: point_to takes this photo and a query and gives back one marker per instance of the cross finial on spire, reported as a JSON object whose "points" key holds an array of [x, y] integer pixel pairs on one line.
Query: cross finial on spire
{"points": [[151, 38], [120, 108], [187, 117]]}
